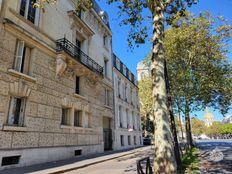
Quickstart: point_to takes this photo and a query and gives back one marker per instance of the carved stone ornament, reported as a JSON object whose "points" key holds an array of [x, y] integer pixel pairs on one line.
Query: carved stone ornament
{"points": [[67, 102], [19, 89], [69, 72], [61, 65]]}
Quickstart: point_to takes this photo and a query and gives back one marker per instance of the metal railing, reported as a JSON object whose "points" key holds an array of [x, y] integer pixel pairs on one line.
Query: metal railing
{"points": [[75, 52], [140, 164]]}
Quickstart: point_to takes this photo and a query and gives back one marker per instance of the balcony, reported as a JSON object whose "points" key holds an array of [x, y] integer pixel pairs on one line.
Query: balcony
{"points": [[76, 53]]}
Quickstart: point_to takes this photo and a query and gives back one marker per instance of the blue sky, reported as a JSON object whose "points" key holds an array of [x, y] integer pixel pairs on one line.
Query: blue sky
{"points": [[120, 45]]}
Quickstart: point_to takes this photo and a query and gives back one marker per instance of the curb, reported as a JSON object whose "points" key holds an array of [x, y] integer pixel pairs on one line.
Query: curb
{"points": [[90, 164]]}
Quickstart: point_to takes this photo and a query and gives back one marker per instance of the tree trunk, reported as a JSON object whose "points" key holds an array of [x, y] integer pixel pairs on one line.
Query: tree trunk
{"points": [[187, 125], [164, 161], [171, 115]]}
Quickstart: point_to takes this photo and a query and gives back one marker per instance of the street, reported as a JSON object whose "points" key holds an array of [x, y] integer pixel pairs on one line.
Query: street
{"points": [[208, 165], [121, 165]]}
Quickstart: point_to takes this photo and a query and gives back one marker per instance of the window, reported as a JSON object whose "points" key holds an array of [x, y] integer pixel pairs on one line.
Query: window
{"points": [[120, 115], [129, 140], [65, 118], [106, 68], [78, 118], [143, 76], [122, 140], [30, 13], [125, 94], [77, 85], [16, 111], [22, 57], [135, 140], [107, 97], [78, 49], [119, 86], [88, 120], [127, 118], [131, 95], [117, 63], [133, 119], [105, 43]]}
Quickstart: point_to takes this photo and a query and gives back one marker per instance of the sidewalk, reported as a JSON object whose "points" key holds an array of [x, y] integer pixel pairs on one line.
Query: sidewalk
{"points": [[71, 164]]}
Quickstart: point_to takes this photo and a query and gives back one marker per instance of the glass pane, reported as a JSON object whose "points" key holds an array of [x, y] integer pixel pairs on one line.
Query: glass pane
{"points": [[23, 7], [64, 119], [19, 56], [14, 112], [31, 11], [77, 118]]}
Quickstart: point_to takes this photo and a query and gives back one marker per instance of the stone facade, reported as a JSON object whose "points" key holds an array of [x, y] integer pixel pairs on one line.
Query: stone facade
{"points": [[128, 132], [34, 124]]}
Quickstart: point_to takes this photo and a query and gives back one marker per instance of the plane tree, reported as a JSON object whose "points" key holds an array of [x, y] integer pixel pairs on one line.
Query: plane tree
{"points": [[200, 71]]}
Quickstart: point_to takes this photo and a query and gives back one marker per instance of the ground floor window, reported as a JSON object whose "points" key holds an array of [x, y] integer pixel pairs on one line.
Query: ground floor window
{"points": [[78, 118], [16, 111], [134, 140], [129, 140], [65, 117], [122, 140]]}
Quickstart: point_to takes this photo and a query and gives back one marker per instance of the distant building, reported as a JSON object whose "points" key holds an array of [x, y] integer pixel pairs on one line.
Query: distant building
{"points": [[143, 70], [208, 118], [227, 120]]}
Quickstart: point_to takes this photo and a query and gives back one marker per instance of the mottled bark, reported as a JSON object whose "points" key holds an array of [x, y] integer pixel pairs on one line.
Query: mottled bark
{"points": [[171, 116], [187, 125], [164, 161]]}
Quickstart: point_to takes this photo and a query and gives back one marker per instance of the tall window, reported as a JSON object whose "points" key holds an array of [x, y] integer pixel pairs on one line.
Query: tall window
{"points": [[122, 140], [120, 115], [88, 120], [22, 57], [133, 119], [127, 118], [65, 120], [105, 41], [78, 118], [106, 67], [107, 97], [119, 87], [78, 49], [135, 140], [77, 85], [16, 111], [30, 13], [125, 92], [129, 140]]}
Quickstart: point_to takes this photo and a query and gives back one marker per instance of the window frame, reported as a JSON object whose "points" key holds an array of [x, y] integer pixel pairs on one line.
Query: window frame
{"points": [[26, 12], [80, 115], [21, 113]]}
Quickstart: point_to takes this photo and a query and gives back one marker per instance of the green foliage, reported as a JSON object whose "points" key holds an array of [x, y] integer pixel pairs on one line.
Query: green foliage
{"points": [[190, 162], [226, 129], [198, 126], [145, 95], [198, 68], [214, 129]]}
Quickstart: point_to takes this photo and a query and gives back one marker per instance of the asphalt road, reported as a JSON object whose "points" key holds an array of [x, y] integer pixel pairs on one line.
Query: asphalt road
{"points": [[209, 164], [123, 165]]}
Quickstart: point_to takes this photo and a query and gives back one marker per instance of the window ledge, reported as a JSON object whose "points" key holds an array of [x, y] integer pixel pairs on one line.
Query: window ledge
{"points": [[78, 128], [108, 107], [80, 96], [24, 76], [66, 127], [14, 128]]}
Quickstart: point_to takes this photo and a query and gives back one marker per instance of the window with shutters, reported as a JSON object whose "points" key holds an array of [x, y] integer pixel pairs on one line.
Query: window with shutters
{"points": [[22, 57], [16, 111], [29, 12]]}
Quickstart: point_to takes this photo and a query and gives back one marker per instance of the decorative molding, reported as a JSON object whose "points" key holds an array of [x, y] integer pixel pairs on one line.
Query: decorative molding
{"points": [[19, 89], [67, 102], [61, 64]]}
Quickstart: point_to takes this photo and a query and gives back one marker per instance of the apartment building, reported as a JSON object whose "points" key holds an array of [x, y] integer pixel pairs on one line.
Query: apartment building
{"points": [[128, 133], [56, 93]]}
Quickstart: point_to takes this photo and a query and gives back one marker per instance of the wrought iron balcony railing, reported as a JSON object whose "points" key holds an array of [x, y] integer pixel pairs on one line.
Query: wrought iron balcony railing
{"points": [[76, 53]]}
